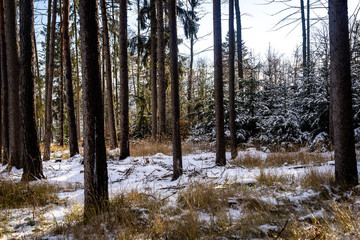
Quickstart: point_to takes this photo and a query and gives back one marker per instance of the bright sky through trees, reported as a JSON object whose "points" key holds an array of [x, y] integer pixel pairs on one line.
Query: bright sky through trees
{"points": [[258, 21]]}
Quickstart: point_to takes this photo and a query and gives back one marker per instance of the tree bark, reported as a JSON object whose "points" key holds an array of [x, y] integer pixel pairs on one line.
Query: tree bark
{"points": [[31, 150], [340, 79], [239, 43], [153, 62], [124, 84], [218, 81], [48, 29], [78, 98], [109, 90], [12, 50], [232, 81], [190, 79], [308, 55], [49, 87], [73, 140], [61, 85], [161, 68], [302, 9], [174, 71], [39, 104], [5, 87], [95, 166]]}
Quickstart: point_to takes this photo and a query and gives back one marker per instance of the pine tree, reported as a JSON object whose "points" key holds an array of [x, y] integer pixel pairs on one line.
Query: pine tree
{"points": [[124, 84], [218, 80], [49, 87], [73, 140], [13, 66], [95, 166], [176, 138], [31, 150], [345, 159], [109, 91]]}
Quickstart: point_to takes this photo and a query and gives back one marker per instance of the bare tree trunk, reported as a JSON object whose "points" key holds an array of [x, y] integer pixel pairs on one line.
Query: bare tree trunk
{"points": [[190, 79], [124, 84], [345, 159], [232, 80], [137, 93], [48, 29], [308, 55], [12, 50], [239, 43], [78, 98], [61, 85], [176, 138], [49, 87], [5, 87], [95, 166], [116, 117], [302, 9], [39, 103], [219, 92], [153, 62], [109, 91], [32, 157], [73, 140], [161, 69]]}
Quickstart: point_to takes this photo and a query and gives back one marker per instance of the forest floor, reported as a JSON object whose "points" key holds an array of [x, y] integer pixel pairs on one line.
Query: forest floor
{"points": [[260, 195]]}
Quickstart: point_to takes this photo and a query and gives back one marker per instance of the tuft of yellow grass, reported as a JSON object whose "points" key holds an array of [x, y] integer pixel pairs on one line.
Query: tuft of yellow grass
{"points": [[22, 194]]}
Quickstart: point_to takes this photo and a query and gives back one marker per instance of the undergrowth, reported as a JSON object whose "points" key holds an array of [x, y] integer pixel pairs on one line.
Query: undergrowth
{"points": [[22, 194]]}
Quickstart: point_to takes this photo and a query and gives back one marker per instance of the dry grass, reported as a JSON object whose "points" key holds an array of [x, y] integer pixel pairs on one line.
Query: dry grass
{"points": [[21, 194], [148, 147], [279, 159], [269, 178], [247, 161], [314, 178], [209, 197], [294, 158], [341, 222]]}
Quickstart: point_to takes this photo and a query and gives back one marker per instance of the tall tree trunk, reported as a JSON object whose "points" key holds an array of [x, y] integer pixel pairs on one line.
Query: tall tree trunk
{"points": [[31, 150], [49, 87], [161, 68], [153, 62], [302, 9], [38, 80], [78, 98], [340, 79], [1, 115], [109, 90], [5, 87], [308, 55], [190, 79], [95, 166], [61, 85], [232, 81], [12, 50], [115, 66], [124, 84], [47, 54], [239, 43], [219, 92], [73, 140], [137, 93], [176, 138]]}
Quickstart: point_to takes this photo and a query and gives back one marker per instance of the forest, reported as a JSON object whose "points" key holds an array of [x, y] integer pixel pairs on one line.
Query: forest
{"points": [[115, 124]]}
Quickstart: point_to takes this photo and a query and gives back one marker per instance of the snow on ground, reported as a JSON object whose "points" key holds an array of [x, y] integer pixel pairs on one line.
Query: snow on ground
{"points": [[149, 173]]}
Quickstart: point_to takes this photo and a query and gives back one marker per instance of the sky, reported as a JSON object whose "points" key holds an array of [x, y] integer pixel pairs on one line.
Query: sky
{"points": [[258, 21]]}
